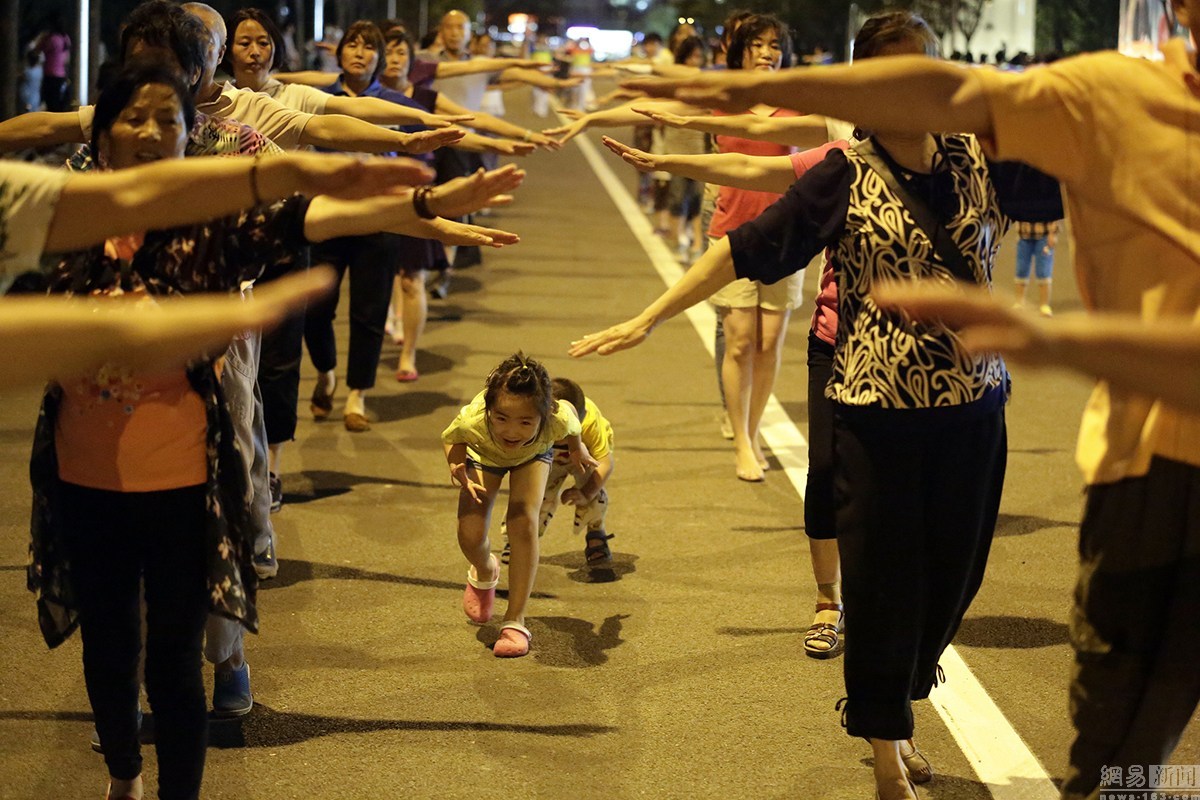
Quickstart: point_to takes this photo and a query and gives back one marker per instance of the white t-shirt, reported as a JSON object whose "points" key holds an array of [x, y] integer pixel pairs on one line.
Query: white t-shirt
{"points": [[308, 99], [28, 196], [276, 121]]}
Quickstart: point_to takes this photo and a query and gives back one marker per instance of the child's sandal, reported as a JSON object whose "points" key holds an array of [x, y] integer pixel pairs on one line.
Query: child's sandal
{"points": [[824, 639], [596, 553], [513, 642], [480, 596]]}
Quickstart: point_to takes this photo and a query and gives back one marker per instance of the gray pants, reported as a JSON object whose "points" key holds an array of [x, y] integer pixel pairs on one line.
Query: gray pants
{"points": [[223, 637], [1136, 681]]}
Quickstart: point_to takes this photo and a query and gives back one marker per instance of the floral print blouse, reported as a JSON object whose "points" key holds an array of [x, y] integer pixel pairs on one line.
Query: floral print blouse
{"points": [[214, 257]]}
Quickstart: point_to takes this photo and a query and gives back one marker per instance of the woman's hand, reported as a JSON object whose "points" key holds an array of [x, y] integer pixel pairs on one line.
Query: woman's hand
{"points": [[462, 196], [983, 323], [665, 117], [618, 337], [428, 141], [572, 113], [569, 131], [509, 147], [462, 476], [447, 231], [444, 120], [727, 90], [638, 159]]}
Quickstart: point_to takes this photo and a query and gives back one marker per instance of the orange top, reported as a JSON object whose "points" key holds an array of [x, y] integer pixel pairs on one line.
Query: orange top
{"points": [[124, 432], [1122, 134]]}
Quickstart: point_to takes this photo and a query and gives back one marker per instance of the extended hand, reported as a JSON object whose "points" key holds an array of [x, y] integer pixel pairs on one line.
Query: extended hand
{"points": [[428, 141], [638, 159], [446, 120], [448, 231], [567, 132], [511, 147], [664, 117], [983, 323], [618, 337], [462, 196], [729, 90]]}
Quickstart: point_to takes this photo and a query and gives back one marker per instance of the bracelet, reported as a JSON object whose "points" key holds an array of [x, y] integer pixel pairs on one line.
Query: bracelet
{"points": [[528, 135], [420, 202], [258, 201]]}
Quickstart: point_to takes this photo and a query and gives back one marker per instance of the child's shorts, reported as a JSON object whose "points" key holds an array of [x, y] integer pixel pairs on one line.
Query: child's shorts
{"points": [[546, 458]]}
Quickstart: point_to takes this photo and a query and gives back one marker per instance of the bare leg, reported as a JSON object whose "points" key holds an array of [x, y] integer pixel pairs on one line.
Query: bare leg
{"points": [[772, 330], [120, 788], [473, 522], [891, 778], [397, 310], [1021, 286], [737, 373], [274, 457], [1044, 295], [827, 571], [526, 487], [416, 311]]}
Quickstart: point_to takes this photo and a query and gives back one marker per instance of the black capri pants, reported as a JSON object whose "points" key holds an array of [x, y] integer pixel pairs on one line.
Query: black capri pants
{"points": [[918, 493]]}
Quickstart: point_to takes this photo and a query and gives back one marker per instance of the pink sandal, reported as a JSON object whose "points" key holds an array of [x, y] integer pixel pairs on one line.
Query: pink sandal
{"points": [[513, 642], [480, 596]]}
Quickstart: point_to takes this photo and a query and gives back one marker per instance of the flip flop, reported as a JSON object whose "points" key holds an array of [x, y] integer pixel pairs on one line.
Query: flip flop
{"points": [[513, 642], [479, 596], [407, 375]]}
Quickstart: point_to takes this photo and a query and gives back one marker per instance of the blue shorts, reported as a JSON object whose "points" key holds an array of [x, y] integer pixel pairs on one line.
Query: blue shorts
{"points": [[546, 458]]}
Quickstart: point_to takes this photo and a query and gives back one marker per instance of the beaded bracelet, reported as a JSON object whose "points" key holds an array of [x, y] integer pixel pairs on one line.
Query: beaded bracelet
{"points": [[421, 202]]}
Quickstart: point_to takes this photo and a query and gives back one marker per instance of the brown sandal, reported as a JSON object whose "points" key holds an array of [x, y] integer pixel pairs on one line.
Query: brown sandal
{"points": [[822, 639]]}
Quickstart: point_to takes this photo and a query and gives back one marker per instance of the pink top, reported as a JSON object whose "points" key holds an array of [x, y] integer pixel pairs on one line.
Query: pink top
{"points": [[824, 318], [738, 206], [56, 47]]}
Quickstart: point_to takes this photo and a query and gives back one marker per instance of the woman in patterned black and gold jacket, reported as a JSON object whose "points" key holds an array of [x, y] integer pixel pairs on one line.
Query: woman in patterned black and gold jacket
{"points": [[920, 441]]}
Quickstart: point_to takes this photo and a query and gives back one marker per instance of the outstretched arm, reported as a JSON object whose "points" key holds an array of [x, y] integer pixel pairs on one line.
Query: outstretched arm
{"points": [[804, 132], [758, 173], [40, 129], [43, 338], [396, 212], [491, 124], [451, 69], [1160, 359], [713, 270], [339, 132], [903, 94], [306, 77], [618, 117], [96, 205], [385, 112]]}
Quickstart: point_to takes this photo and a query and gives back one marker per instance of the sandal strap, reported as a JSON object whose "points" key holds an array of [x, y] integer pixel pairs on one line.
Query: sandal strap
{"points": [[518, 627], [597, 536], [838, 607]]}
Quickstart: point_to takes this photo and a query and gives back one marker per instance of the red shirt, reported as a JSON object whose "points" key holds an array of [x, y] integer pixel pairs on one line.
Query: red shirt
{"points": [[738, 206]]}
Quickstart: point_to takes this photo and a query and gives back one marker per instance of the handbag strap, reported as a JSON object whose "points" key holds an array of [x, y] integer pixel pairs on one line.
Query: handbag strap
{"points": [[922, 214]]}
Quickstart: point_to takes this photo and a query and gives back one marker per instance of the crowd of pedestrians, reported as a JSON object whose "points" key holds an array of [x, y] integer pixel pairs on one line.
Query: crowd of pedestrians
{"points": [[159, 448]]}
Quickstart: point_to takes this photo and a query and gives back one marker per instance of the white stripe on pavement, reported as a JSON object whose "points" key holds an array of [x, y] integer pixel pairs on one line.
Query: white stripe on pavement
{"points": [[994, 749]]}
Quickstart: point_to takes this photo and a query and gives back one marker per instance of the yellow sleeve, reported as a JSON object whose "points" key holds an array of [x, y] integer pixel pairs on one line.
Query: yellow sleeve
{"points": [[1046, 116], [469, 426], [597, 432], [564, 423]]}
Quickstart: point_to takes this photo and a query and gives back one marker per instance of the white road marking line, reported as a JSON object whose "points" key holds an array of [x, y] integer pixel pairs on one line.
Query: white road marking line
{"points": [[997, 753]]}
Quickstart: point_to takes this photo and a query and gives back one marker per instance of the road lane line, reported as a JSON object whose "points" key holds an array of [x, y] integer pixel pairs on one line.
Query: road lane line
{"points": [[997, 753]]}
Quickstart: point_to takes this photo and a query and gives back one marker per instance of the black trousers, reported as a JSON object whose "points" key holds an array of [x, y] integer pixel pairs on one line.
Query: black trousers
{"points": [[917, 500], [1136, 679], [279, 377], [371, 261], [117, 541], [820, 513]]}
